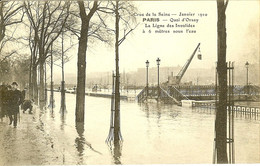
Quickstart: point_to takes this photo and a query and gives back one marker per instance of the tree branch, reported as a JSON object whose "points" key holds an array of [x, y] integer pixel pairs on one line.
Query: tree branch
{"points": [[121, 40], [92, 10], [7, 56], [226, 4], [12, 13], [82, 11], [16, 22]]}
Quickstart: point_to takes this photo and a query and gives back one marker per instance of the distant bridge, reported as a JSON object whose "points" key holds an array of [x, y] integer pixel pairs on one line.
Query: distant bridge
{"points": [[196, 92], [208, 92], [150, 94]]}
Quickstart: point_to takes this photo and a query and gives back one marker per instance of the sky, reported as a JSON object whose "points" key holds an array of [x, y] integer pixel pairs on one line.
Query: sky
{"points": [[174, 49]]}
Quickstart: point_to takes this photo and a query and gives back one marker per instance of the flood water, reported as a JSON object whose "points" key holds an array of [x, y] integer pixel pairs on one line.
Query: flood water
{"points": [[153, 134]]}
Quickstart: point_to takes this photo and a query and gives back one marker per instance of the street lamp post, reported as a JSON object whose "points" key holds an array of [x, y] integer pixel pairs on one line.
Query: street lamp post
{"points": [[247, 88], [147, 65], [158, 64]]}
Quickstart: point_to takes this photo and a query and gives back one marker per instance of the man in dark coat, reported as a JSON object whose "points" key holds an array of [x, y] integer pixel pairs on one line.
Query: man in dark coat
{"points": [[1, 101], [2, 110], [4, 99], [15, 100]]}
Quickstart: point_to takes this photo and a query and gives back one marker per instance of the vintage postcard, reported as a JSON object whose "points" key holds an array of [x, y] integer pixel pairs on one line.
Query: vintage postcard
{"points": [[129, 82]]}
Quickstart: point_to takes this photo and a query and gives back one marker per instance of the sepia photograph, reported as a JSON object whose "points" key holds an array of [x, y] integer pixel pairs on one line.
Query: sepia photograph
{"points": [[129, 82]]}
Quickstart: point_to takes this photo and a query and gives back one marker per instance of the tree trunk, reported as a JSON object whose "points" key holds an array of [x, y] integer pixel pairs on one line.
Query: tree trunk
{"points": [[41, 94], [51, 105], [30, 88], [221, 114], [35, 85], [117, 82], [83, 40], [45, 85], [81, 78], [63, 105], [34, 89]]}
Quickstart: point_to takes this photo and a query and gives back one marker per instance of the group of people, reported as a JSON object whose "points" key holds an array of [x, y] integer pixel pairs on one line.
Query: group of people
{"points": [[10, 100]]}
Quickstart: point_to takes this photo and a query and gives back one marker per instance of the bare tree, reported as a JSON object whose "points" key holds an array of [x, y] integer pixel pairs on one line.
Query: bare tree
{"points": [[124, 12], [88, 30], [64, 59], [83, 40], [124, 17], [11, 14], [221, 114], [33, 88], [47, 18], [8, 15]]}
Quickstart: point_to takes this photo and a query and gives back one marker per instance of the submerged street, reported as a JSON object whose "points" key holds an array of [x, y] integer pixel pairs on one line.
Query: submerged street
{"points": [[153, 134], [133, 82]]}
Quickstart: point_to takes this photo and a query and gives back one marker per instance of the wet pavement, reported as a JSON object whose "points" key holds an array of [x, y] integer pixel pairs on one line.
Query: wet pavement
{"points": [[27, 144], [38, 140]]}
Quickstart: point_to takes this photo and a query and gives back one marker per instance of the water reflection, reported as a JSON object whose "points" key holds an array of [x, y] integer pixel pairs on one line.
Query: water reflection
{"points": [[157, 113], [63, 120], [145, 109], [40, 126], [80, 141], [115, 148], [203, 110], [52, 115], [147, 115], [159, 110], [237, 114]]}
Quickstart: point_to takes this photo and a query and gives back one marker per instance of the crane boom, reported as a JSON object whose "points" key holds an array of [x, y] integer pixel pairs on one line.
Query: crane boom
{"points": [[175, 80], [185, 67]]}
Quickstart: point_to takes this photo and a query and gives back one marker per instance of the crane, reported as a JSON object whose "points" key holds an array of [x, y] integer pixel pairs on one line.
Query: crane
{"points": [[175, 80]]}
